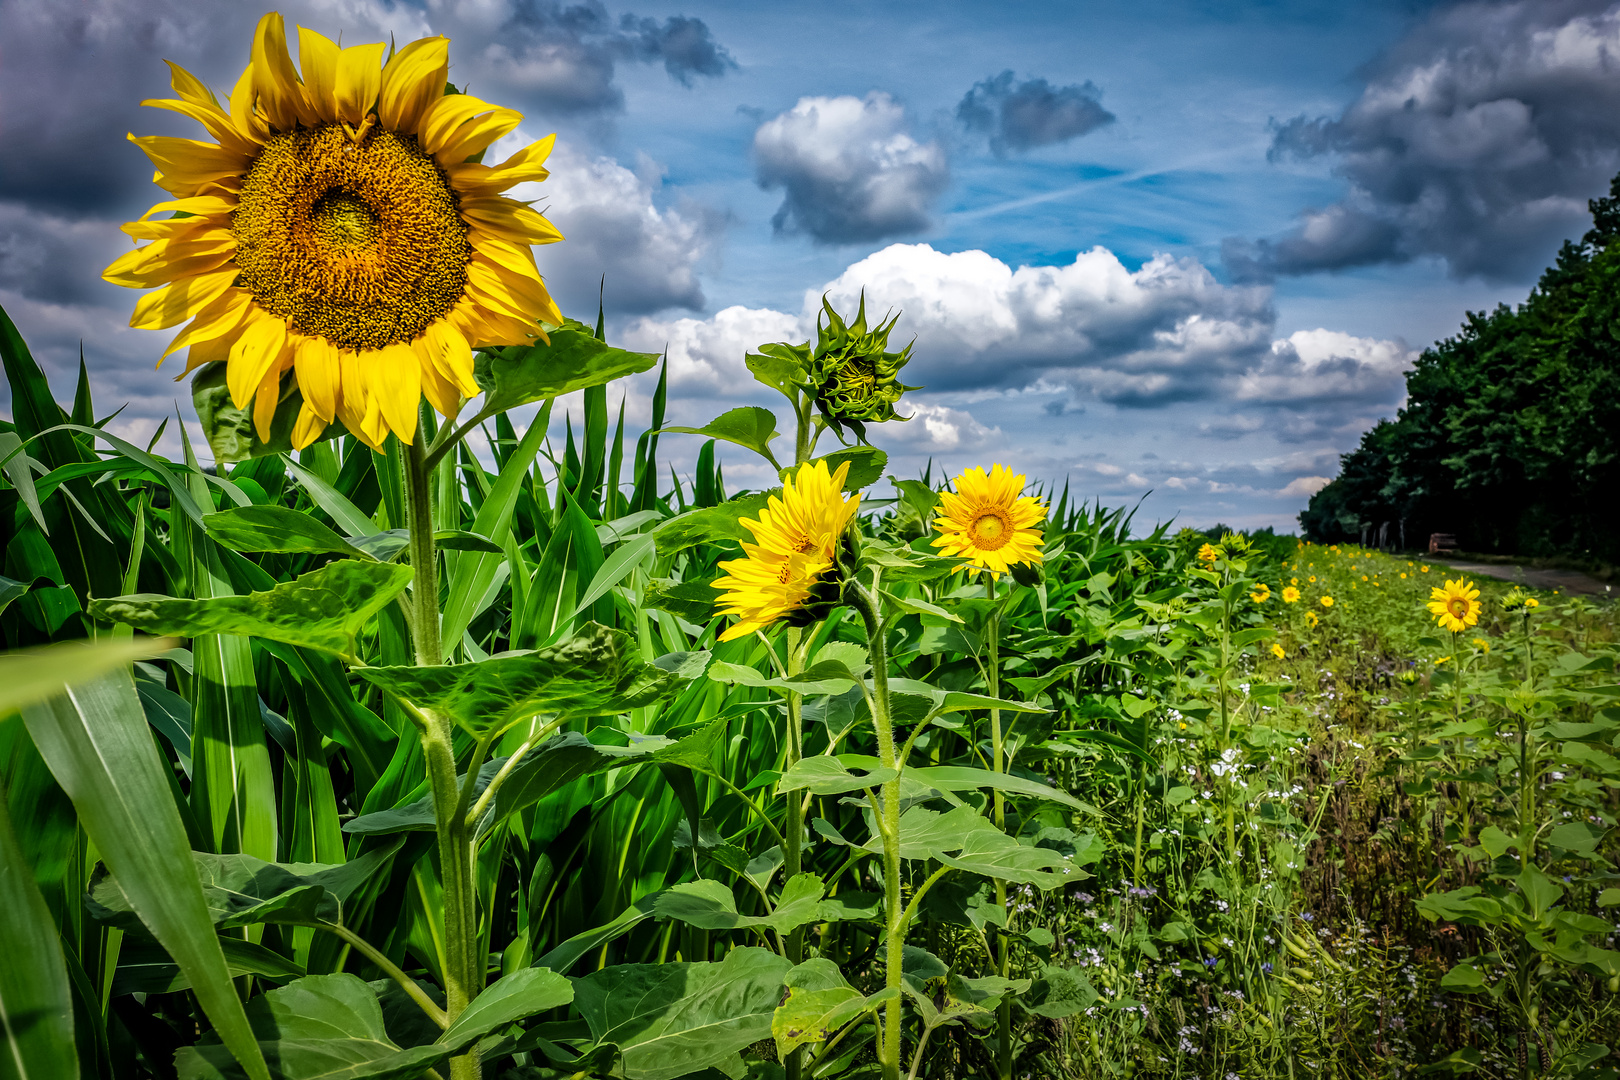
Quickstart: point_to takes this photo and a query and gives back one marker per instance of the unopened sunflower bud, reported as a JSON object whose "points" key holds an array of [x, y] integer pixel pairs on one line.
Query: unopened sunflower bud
{"points": [[851, 377]]}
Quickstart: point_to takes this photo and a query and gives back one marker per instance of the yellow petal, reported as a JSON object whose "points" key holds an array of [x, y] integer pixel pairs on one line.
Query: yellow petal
{"points": [[450, 355], [394, 382], [317, 59], [216, 320], [184, 165], [243, 115], [206, 352], [308, 428], [413, 80], [440, 394], [359, 75], [186, 228], [444, 116], [217, 122], [281, 96], [478, 134], [509, 258], [265, 401], [510, 219], [527, 165], [163, 261], [525, 296], [320, 375], [174, 304], [252, 354]]}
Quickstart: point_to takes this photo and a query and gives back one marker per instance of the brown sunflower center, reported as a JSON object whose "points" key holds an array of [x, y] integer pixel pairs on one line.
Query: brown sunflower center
{"points": [[1458, 607], [356, 242], [991, 528]]}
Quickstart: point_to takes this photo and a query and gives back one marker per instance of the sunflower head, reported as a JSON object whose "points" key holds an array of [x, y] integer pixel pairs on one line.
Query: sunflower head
{"points": [[851, 375], [1262, 593], [1290, 594], [1310, 617], [1278, 651], [787, 573], [1327, 601], [1455, 607], [336, 239], [989, 521], [1209, 554]]}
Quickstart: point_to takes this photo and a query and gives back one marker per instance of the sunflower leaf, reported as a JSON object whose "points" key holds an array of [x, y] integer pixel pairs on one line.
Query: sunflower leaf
{"points": [[322, 609], [866, 465], [749, 426], [275, 528], [710, 523], [574, 360], [596, 672]]}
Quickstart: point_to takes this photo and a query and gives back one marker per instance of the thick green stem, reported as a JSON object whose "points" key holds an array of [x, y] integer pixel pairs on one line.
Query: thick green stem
{"points": [[424, 560], [888, 826], [463, 967], [1004, 1038], [793, 838]]}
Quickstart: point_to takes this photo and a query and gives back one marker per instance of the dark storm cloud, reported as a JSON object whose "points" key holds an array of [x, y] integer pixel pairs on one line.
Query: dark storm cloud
{"points": [[565, 55], [849, 169], [1477, 139], [1031, 114]]}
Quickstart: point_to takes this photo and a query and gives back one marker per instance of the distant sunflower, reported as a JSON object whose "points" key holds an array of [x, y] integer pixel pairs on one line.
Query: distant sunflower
{"points": [[1310, 617], [1327, 601], [1278, 651], [989, 521], [338, 228], [1262, 593], [796, 538], [1208, 554], [1290, 595], [1455, 607]]}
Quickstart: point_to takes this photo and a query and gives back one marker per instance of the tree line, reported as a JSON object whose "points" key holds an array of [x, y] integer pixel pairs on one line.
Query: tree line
{"points": [[1508, 439]]}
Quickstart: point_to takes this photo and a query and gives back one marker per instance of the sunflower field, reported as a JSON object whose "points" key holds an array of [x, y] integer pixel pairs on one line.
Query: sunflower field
{"points": [[361, 754]]}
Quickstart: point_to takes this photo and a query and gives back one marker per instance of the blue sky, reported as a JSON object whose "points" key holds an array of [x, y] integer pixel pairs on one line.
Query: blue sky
{"points": [[1164, 244]]}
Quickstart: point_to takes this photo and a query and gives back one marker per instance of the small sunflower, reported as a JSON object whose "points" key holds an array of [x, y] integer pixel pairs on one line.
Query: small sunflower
{"points": [[1313, 579], [1424, 569], [1290, 595], [1262, 593], [989, 521], [795, 540], [1277, 651], [1310, 617], [339, 229], [1455, 607], [1327, 601], [1531, 602], [1482, 645], [1208, 554]]}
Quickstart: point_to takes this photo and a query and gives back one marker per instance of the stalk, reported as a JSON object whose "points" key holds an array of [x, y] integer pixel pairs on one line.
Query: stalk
{"points": [[463, 968], [1004, 1047], [888, 826], [793, 838]]}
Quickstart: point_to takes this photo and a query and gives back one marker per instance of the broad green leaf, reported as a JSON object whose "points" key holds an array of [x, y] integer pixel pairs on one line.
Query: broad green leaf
{"points": [[241, 890], [819, 1003], [144, 968], [866, 465], [574, 360], [749, 426], [461, 540], [274, 528], [36, 999], [509, 999], [31, 675], [95, 739], [615, 568], [323, 1027], [230, 431], [949, 701], [964, 839], [1496, 841], [596, 672], [709, 905], [322, 609], [825, 775], [1464, 978], [328, 498], [670, 1020], [822, 677], [912, 606], [707, 524], [962, 778], [1460, 905], [10, 590], [560, 761], [563, 956], [1060, 992], [779, 366]]}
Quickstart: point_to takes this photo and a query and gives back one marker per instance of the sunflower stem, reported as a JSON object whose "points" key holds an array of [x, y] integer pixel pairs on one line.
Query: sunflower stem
{"points": [[889, 824], [463, 968], [792, 846], [1004, 1039]]}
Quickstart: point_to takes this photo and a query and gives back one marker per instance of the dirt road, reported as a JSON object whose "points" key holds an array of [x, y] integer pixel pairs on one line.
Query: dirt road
{"points": [[1570, 582]]}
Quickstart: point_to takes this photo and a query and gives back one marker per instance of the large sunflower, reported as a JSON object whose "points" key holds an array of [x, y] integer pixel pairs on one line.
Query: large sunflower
{"points": [[1455, 607], [338, 228], [989, 521], [795, 541]]}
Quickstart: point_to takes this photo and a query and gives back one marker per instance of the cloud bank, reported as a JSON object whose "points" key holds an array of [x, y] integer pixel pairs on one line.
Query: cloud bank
{"points": [[1477, 140]]}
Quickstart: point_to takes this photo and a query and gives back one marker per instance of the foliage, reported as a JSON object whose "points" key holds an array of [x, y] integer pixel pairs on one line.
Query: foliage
{"points": [[1508, 437]]}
